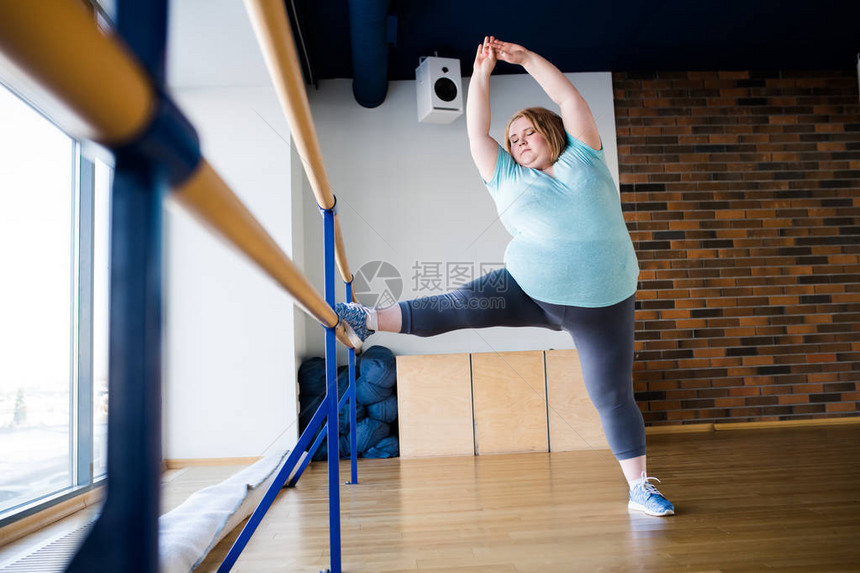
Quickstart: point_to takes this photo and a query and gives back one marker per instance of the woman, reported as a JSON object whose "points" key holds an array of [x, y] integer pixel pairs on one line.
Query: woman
{"points": [[570, 265]]}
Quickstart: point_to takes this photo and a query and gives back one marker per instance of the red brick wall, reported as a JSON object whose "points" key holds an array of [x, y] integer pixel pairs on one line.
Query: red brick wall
{"points": [[741, 191]]}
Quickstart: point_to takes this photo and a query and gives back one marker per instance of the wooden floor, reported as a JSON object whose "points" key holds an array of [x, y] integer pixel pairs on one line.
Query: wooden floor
{"points": [[761, 500]]}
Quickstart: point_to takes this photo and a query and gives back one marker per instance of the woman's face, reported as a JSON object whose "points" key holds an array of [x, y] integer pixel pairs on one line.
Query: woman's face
{"points": [[528, 147]]}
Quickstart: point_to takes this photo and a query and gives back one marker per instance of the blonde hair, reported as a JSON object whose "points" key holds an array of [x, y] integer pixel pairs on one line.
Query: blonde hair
{"points": [[545, 122]]}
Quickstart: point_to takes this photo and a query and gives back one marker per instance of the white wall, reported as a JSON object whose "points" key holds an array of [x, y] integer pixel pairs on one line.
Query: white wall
{"points": [[408, 193], [229, 359], [211, 43]]}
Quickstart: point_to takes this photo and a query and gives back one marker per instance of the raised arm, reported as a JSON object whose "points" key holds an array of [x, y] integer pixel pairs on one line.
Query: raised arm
{"points": [[484, 148], [575, 113]]}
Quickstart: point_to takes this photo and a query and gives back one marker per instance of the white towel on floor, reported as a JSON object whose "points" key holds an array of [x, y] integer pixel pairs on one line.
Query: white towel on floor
{"points": [[189, 532]]}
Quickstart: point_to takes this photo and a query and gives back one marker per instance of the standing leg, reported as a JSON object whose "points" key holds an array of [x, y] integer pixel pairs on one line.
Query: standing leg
{"points": [[604, 341], [633, 468]]}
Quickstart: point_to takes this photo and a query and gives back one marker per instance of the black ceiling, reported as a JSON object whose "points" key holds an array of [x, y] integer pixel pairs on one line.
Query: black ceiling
{"points": [[595, 35]]}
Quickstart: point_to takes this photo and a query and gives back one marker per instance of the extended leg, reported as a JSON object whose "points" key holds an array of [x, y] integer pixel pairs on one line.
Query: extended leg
{"points": [[494, 299], [390, 319]]}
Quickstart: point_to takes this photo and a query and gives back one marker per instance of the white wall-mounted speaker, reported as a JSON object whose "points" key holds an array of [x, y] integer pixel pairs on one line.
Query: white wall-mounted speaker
{"points": [[440, 93]]}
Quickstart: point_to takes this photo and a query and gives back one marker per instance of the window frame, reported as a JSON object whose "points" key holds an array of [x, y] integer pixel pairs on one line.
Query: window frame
{"points": [[81, 367]]}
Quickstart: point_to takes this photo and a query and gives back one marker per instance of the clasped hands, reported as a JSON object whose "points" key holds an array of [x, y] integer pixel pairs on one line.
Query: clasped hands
{"points": [[493, 49]]}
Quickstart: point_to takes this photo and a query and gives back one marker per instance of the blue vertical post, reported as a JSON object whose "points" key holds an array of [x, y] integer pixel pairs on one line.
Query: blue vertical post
{"points": [[353, 440], [125, 536], [331, 396]]}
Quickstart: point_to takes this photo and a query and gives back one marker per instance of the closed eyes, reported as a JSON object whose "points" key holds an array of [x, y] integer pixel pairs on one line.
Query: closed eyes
{"points": [[528, 133]]}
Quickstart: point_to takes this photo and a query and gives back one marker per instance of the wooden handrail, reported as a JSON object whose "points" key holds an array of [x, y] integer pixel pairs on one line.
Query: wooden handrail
{"points": [[208, 196], [102, 92], [57, 46], [269, 19]]}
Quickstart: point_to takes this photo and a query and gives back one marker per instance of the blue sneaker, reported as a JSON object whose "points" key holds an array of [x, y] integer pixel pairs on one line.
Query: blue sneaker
{"points": [[644, 497], [354, 315]]}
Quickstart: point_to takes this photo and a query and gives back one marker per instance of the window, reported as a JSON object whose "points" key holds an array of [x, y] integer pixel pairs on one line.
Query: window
{"points": [[101, 292], [53, 311]]}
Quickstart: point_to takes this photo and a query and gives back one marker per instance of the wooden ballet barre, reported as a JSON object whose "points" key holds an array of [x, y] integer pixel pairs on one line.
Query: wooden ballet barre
{"points": [[106, 96], [100, 90], [208, 196], [269, 19]]}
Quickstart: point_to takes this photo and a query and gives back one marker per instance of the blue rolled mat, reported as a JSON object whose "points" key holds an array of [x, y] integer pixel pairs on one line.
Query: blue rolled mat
{"points": [[312, 378], [378, 366], [377, 375], [367, 432], [374, 392], [384, 411], [312, 387], [343, 446], [368, 393], [386, 448], [343, 416]]}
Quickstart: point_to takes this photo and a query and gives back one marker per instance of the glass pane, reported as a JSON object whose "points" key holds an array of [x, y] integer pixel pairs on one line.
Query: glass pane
{"points": [[36, 177], [101, 278]]}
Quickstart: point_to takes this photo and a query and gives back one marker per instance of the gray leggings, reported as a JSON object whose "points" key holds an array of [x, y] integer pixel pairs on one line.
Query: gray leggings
{"points": [[603, 338]]}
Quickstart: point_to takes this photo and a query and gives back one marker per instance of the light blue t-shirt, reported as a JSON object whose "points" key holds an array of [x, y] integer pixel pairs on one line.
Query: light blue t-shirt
{"points": [[570, 244]]}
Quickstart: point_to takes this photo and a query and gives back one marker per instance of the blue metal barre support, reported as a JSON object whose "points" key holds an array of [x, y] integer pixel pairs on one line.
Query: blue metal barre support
{"points": [[317, 443], [125, 536], [353, 440], [307, 460], [280, 479], [331, 395], [328, 411]]}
